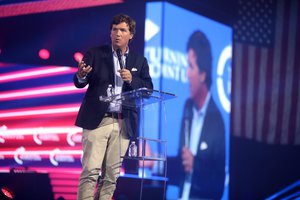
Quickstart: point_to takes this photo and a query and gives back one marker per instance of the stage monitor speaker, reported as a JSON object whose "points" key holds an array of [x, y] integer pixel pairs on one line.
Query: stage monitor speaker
{"points": [[130, 188]]}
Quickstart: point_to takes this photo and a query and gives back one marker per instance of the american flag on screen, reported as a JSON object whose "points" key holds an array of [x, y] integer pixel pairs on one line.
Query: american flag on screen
{"points": [[266, 71]]}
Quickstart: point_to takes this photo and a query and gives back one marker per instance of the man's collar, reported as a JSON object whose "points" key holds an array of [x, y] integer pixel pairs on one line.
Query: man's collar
{"points": [[114, 52], [205, 105]]}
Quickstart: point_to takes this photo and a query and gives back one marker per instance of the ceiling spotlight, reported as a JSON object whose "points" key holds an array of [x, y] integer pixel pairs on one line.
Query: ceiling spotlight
{"points": [[78, 56], [44, 54]]}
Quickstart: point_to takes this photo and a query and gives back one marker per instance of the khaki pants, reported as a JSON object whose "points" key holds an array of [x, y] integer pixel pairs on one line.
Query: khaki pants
{"points": [[102, 150]]}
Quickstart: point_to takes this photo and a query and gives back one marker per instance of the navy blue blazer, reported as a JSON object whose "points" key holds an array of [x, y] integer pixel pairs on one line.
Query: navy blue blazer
{"points": [[209, 163], [100, 59]]}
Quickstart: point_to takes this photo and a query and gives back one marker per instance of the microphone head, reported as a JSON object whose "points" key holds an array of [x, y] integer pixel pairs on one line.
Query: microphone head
{"points": [[119, 52]]}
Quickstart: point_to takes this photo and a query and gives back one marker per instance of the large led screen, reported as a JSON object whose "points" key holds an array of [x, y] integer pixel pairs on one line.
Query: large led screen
{"points": [[168, 31]]}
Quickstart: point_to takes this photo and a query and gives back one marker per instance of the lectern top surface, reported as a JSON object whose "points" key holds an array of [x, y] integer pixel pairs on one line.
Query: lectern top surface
{"points": [[138, 97]]}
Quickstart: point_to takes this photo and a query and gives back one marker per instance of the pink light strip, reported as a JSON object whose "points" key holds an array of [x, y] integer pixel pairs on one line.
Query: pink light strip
{"points": [[50, 5], [40, 130], [64, 109], [45, 152], [55, 171], [62, 182], [4, 170], [40, 92], [63, 176], [35, 73], [50, 170], [69, 189]]}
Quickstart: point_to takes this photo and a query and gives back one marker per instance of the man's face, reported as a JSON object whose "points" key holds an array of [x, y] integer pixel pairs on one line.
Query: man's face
{"points": [[196, 78], [120, 35]]}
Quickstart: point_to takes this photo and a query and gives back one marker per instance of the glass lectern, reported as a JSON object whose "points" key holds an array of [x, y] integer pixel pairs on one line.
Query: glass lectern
{"points": [[141, 99]]}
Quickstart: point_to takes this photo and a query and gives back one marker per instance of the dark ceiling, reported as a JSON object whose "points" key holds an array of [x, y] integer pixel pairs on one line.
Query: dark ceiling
{"points": [[219, 10]]}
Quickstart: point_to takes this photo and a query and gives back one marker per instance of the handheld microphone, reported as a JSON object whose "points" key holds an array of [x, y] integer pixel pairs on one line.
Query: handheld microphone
{"points": [[186, 132], [119, 54], [187, 119]]}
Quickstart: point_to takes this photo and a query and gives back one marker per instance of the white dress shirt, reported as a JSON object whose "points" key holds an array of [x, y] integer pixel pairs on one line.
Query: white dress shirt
{"points": [[113, 107]]}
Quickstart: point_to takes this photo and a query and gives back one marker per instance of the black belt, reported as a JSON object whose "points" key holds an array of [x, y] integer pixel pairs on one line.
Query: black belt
{"points": [[114, 115]]}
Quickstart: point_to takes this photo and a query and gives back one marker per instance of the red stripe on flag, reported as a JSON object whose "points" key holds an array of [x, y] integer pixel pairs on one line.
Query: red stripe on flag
{"points": [[256, 88], [269, 83], [294, 132], [244, 92], [282, 73]]}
